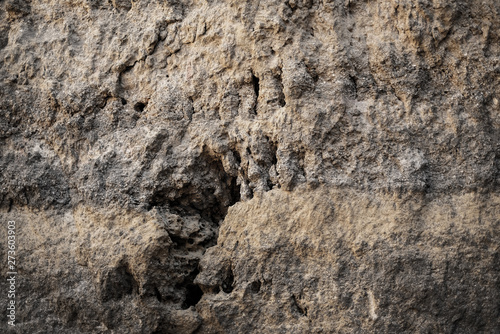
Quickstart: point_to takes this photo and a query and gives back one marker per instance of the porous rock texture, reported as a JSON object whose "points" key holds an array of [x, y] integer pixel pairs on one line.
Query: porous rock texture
{"points": [[240, 166]]}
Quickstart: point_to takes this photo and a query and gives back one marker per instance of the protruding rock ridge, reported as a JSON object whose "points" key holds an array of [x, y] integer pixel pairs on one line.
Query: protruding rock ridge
{"points": [[129, 130]]}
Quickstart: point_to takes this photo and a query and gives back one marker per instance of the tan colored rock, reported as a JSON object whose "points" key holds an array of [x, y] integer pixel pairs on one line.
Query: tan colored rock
{"points": [[353, 146], [340, 261]]}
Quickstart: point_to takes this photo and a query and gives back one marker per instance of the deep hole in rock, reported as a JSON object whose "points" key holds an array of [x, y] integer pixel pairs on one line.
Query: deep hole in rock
{"points": [[281, 95], [157, 294], [256, 89], [193, 296], [250, 194], [228, 281], [255, 83], [193, 292], [255, 286], [140, 106], [179, 242], [235, 191], [354, 82], [237, 157]]}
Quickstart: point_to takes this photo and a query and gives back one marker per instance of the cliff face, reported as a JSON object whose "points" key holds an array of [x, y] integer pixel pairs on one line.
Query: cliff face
{"points": [[294, 166]]}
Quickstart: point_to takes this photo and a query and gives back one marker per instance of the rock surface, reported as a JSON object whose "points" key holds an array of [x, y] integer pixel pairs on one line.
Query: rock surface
{"points": [[295, 166]]}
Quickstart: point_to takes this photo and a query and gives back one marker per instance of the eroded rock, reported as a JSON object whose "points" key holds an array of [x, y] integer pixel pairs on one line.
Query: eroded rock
{"points": [[241, 166]]}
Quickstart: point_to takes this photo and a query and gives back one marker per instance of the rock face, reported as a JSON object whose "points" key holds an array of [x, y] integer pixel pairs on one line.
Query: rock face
{"points": [[295, 166]]}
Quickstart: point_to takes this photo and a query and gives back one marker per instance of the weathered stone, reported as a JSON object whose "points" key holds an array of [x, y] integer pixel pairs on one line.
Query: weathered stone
{"points": [[252, 166]]}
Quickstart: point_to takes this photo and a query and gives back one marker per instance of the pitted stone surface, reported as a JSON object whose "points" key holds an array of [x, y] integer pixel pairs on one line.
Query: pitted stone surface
{"points": [[297, 166]]}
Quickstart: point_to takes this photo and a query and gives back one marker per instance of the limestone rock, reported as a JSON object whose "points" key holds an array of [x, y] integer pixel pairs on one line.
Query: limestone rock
{"points": [[297, 166]]}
